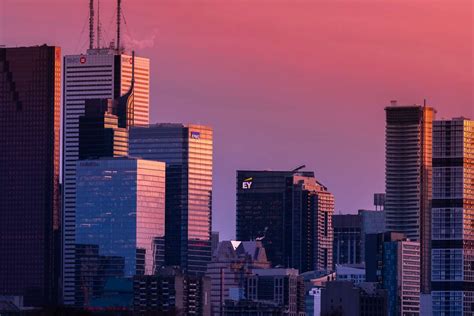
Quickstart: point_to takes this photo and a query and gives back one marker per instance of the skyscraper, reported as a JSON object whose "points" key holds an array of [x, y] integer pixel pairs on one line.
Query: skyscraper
{"points": [[120, 206], [30, 83], [100, 134], [408, 172], [291, 213], [187, 151], [100, 74], [452, 272]]}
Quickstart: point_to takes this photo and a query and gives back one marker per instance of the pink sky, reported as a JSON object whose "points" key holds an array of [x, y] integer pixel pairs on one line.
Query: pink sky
{"points": [[283, 83]]}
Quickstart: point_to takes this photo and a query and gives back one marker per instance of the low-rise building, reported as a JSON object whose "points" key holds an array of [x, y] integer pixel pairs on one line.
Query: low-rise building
{"points": [[231, 263], [350, 272], [346, 299], [171, 291]]}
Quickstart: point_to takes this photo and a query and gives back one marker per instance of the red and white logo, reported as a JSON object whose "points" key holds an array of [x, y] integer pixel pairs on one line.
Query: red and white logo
{"points": [[82, 60]]}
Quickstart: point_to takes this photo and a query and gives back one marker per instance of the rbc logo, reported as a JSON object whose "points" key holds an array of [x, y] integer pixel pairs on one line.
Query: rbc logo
{"points": [[247, 183]]}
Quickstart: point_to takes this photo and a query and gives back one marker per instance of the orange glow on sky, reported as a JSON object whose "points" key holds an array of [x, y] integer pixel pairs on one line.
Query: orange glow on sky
{"points": [[283, 82]]}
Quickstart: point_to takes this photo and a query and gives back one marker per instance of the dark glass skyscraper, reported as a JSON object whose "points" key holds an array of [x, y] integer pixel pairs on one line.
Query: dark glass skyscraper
{"points": [[408, 172], [30, 83], [99, 132], [374, 253], [291, 213], [187, 151], [453, 217], [347, 239]]}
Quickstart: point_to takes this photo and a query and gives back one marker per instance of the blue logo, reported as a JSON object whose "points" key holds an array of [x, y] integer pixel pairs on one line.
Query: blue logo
{"points": [[195, 135]]}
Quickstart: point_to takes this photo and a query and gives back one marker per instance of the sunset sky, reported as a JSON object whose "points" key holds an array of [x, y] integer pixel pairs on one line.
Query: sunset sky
{"points": [[283, 83]]}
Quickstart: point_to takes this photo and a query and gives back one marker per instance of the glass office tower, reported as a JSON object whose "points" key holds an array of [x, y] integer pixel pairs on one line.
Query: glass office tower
{"points": [[120, 206], [98, 74], [187, 151], [30, 89], [291, 213], [452, 256], [408, 174]]}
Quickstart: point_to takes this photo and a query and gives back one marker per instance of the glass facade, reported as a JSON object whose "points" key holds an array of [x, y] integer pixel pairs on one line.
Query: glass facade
{"points": [[347, 239], [291, 213], [30, 96], [120, 212], [99, 131], [452, 253], [372, 222], [187, 152], [99, 74]]}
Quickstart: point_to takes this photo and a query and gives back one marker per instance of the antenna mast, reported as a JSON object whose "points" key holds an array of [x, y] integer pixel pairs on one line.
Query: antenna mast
{"points": [[119, 14], [133, 68], [99, 28], [91, 24]]}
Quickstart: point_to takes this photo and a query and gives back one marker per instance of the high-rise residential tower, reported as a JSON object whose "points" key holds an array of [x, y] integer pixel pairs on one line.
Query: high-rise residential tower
{"points": [[187, 152], [291, 213], [120, 205], [452, 257], [408, 172], [99, 74], [30, 83]]}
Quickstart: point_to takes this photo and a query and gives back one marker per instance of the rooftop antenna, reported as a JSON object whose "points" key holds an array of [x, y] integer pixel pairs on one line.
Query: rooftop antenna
{"points": [[133, 69], [98, 24], [119, 14], [298, 168], [91, 24]]}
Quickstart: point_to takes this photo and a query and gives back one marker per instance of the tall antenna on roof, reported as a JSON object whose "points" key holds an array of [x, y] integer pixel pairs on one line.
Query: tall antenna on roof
{"points": [[91, 24], [119, 14], [99, 28], [133, 68], [298, 168]]}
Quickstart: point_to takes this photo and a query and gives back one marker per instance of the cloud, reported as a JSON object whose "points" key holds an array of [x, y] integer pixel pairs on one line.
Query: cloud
{"points": [[136, 43]]}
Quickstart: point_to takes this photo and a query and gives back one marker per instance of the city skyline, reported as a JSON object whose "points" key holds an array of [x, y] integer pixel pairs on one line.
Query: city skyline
{"points": [[299, 158], [194, 67]]}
